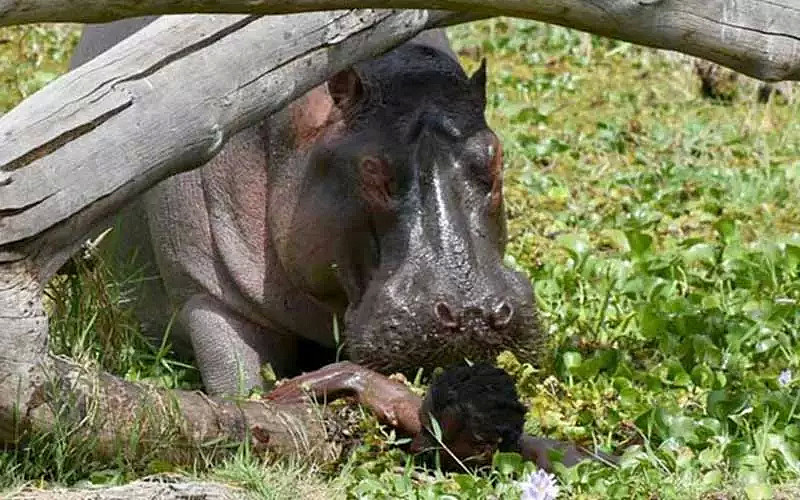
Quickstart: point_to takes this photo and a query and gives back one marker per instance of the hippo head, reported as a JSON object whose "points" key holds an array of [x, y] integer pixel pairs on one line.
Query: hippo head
{"points": [[407, 193]]}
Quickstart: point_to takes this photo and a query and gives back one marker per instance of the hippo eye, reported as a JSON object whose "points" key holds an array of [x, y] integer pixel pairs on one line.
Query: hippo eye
{"points": [[378, 183], [480, 166], [487, 162]]}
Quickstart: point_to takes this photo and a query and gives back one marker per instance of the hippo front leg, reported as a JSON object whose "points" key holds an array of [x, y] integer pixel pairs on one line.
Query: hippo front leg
{"points": [[230, 349]]}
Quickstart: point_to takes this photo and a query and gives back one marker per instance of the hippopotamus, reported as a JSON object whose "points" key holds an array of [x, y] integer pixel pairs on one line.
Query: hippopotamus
{"points": [[372, 204]]}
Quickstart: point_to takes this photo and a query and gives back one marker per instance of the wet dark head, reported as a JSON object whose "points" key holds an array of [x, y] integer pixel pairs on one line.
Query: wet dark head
{"points": [[419, 231], [478, 412]]}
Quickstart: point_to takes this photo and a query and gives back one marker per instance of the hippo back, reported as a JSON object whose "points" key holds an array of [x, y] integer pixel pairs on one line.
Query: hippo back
{"points": [[98, 38]]}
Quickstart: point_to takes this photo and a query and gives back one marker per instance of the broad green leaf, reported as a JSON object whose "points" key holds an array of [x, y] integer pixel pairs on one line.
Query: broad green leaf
{"points": [[638, 242]]}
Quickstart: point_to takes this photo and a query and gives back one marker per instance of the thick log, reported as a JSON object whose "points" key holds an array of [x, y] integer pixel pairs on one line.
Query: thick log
{"points": [[38, 391], [177, 426], [162, 101], [760, 38]]}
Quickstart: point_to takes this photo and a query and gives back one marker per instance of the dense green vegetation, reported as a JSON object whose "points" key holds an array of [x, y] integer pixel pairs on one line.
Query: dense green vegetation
{"points": [[662, 234]]}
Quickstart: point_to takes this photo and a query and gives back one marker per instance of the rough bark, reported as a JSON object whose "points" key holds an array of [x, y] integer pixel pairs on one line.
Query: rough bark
{"points": [[38, 391], [177, 426], [760, 38], [162, 101]]}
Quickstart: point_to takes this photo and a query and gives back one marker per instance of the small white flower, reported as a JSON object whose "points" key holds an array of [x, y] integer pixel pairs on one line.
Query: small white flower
{"points": [[539, 486], [785, 378]]}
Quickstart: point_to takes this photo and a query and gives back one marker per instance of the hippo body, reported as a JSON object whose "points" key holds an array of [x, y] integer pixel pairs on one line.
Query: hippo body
{"points": [[375, 198]]}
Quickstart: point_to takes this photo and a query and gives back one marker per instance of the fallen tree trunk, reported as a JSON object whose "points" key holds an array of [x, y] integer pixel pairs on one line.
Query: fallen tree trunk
{"points": [[176, 426], [39, 392], [63, 171], [760, 38]]}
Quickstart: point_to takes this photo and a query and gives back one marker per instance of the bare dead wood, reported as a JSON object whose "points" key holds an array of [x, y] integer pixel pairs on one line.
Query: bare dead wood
{"points": [[76, 152], [38, 391], [760, 38], [177, 426]]}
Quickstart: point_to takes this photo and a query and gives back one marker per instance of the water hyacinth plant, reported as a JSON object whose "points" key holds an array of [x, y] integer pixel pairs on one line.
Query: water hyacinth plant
{"points": [[539, 485]]}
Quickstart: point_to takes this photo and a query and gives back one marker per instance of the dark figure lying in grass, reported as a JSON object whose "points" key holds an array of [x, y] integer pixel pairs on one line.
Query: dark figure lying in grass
{"points": [[476, 409]]}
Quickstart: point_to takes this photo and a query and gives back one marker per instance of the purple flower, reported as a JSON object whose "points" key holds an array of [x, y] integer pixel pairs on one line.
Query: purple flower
{"points": [[539, 486], [785, 378]]}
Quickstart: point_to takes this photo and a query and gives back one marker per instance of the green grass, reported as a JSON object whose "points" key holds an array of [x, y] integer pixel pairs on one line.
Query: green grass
{"points": [[662, 232]]}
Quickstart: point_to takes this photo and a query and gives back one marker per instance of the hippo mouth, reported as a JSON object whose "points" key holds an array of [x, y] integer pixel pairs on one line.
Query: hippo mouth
{"points": [[400, 344]]}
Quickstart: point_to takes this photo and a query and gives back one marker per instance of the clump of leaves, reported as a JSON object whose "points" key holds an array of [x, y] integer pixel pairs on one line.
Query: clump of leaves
{"points": [[30, 57]]}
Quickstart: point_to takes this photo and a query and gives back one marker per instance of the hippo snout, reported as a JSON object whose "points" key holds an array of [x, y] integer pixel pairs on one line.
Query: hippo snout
{"points": [[400, 327]]}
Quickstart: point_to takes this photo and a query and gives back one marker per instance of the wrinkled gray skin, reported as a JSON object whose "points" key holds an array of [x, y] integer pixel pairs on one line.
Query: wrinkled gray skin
{"points": [[376, 198]]}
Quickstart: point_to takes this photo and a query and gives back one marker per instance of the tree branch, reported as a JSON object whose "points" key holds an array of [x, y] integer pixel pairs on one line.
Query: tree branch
{"points": [[760, 38], [39, 392]]}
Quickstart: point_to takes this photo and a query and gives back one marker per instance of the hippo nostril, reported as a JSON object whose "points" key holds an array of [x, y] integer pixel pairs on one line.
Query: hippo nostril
{"points": [[444, 314], [502, 314]]}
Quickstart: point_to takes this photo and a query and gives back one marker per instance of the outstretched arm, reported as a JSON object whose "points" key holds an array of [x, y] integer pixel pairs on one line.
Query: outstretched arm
{"points": [[392, 402]]}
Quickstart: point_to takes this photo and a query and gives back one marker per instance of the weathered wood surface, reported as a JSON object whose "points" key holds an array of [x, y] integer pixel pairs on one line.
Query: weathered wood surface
{"points": [[37, 391], [163, 101], [760, 38]]}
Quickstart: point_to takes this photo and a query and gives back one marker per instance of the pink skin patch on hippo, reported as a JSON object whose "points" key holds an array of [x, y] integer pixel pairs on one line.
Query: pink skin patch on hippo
{"points": [[313, 115]]}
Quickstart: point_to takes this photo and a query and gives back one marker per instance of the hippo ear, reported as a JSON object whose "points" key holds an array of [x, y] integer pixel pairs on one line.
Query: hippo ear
{"points": [[345, 88], [478, 80]]}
